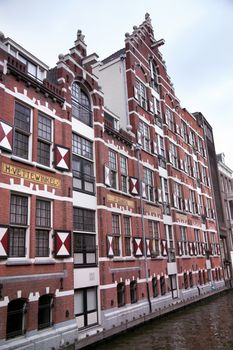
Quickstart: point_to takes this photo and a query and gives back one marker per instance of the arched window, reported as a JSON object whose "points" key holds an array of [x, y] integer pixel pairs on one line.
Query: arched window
{"points": [[16, 318], [120, 294], [81, 106], [45, 311], [186, 285], [155, 287], [133, 292], [162, 285]]}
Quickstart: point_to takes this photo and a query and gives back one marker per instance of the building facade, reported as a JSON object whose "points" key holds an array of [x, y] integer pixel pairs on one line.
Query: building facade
{"points": [[159, 239], [107, 210]]}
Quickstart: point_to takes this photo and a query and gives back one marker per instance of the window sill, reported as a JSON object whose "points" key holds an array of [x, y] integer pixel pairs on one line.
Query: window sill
{"points": [[44, 261], [44, 167], [18, 261], [22, 160]]}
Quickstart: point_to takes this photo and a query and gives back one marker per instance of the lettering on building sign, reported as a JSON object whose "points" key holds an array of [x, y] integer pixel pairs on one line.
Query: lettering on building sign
{"points": [[153, 210], [120, 201], [181, 218], [28, 175]]}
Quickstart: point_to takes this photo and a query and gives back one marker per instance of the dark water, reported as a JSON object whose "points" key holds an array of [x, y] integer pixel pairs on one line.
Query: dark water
{"points": [[206, 326]]}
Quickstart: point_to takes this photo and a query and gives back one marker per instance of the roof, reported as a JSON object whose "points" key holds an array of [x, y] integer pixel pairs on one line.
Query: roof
{"points": [[114, 56]]}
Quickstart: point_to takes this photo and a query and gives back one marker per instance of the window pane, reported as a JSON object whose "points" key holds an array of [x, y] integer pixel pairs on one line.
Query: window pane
{"points": [[44, 128], [17, 242], [22, 117], [43, 153], [42, 243], [21, 144], [91, 299], [43, 213], [19, 210], [78, 302]]}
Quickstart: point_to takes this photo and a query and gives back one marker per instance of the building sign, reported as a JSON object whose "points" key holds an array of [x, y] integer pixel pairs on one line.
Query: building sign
{"points": [[151, 209], [120, 201], [32, 176]]}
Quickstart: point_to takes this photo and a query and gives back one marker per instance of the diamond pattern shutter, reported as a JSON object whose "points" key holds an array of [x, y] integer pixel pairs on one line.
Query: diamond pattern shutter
{"points": [[138, 247], [180, 248], [63, 244], [62, 158], [164, 247], [110, 251], [133, 185], [3, 241], [6, 136]]}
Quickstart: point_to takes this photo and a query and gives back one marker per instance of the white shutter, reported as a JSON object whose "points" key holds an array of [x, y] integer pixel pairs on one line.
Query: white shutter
{"points": [[181, 164], [139, 137], [107, 176], [155, 147], [136, 95], [160, 195], [175, 201], [186, 205]]}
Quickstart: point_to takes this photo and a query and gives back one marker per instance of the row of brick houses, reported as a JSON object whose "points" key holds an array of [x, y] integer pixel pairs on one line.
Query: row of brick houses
{"points": [[107, 211]]}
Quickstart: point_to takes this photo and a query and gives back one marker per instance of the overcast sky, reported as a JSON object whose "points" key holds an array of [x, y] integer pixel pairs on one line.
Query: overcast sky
{"points": [[198, 46]]}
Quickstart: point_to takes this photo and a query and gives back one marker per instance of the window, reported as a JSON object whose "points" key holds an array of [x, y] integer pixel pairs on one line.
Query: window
{"points": [[165, 194], [184, 242], [169, 117], [170, 240], [162, 285], [83, 169], [16, 318], [124, 173], [162, 160], [127, 235], [44, 140], [153, 227], [140, 93], [177, 196], [84, 220], [145, 134], [189, 164], [158, 118], [193, 202], [81, 106], [197, 240], [186, 280], [205, 176], [21, 131], [85, 306], [45, 304], [120, 294], [43, 226], [192, 139], [84, 249], [173, 158], [190, 279], [184, 131], [133, 292], [113, 168], [154, 75], [18, 217], [148, 180], [116, 234], [155, 287], [31, 67]]}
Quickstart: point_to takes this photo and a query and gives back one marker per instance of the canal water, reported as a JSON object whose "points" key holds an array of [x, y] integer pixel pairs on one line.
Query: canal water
{"points": [[204, 326]]}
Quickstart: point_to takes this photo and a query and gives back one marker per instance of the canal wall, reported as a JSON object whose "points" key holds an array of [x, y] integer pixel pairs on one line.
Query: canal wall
{"points": [[122, 319]]}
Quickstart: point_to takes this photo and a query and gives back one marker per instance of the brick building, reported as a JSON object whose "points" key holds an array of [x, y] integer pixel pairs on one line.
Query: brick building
{"points": [[106, 210], [157, 224]]}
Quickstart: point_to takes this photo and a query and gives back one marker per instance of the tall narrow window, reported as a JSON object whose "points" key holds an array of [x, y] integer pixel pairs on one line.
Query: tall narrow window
{"points": [[84, 240], [173, 155], [140, 93], [85, 306], [15, 318], [133, 292], [124, 173], [43, 227], [127, 235], [154, 75], [148, 180], [81, 106], [154, 235], [145, 133], [162, 285], [44, 140], [116, 234], [22, 131], [155, 287], [183, 232], [19, 222], [113, 168], [120, 294], [45, 311], [83, 169]]}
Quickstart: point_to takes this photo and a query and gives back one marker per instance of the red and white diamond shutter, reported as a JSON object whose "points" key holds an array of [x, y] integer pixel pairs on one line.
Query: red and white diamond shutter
{"points": [[6, 136], [110, 251], [62, 158], [163, 247], [133, 185], [195, 248], [3, 242], [107, 176], [138, 247], [63, 244], [218, 248], [180, 250], [203, 248]]}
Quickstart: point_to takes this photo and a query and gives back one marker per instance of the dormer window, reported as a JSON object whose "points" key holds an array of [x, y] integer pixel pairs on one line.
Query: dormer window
{"points": [[81, 106]]}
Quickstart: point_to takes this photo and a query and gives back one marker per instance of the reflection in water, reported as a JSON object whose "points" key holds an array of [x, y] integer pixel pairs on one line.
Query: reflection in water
{"points": [[207, 326]]}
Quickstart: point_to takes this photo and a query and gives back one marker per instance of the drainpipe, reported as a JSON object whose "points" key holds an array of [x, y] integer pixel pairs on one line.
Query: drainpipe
{"points": [[138, 149]]}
